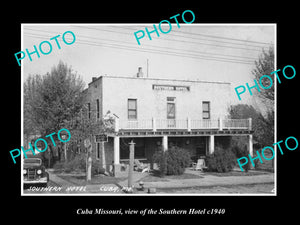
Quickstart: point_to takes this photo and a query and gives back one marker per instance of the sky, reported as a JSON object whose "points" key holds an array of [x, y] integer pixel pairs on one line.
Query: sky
{"points": [[209, 52]]}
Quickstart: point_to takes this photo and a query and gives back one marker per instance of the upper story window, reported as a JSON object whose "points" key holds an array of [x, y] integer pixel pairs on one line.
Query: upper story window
{"points": [[98, 150], [132, 109], [171, 99], [171, 107], [89, 110], [171, 113], [98, 108], [206, 110]]}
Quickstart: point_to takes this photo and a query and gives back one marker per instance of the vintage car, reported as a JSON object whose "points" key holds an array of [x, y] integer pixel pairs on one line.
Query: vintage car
{"points": [[34, 172]]}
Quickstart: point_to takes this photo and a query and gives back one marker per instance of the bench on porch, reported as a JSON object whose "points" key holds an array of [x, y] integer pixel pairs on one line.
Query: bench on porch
{"points": [[199, 163]]}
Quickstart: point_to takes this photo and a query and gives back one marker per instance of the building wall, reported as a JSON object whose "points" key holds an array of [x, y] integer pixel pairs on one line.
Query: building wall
{"points": [[113, 94], [108, 155], [94, 92], [153, 103]]}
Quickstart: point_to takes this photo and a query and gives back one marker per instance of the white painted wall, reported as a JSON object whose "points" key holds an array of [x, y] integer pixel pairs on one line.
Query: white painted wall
{"points": [[153, 103]]}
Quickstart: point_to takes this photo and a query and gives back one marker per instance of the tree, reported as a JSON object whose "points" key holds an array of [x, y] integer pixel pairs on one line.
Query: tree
{"points": [[262, 127], [265, 66], [51, 101]]}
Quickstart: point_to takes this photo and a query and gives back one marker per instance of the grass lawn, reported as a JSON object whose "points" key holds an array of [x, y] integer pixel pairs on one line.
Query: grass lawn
{"points": [[191, 174], [229, 189], [155, 177], [236, 173], [80, 180]]}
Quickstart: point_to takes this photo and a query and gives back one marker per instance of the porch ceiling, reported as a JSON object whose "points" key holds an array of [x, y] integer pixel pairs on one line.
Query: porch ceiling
{"points": [[150, 133]]}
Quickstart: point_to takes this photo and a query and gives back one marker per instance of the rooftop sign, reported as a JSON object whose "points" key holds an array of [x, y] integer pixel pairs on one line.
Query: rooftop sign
{"points": [[170, 88]]}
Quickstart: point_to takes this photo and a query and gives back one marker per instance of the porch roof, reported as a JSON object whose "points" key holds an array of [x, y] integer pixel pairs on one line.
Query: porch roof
{"points": [[160, 133]]}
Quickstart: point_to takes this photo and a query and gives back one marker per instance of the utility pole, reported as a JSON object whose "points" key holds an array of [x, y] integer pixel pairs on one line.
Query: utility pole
{"points": [[89, 164], [65, 150], [88, 146], [49, 159], [131, 161], [64, 137]]}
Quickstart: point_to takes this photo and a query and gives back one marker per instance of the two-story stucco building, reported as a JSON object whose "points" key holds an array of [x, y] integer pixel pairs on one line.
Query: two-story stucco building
{"points": [[156, 113]]}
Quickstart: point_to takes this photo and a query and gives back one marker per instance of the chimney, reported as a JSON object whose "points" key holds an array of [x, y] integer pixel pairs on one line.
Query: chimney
{"points": [[140, 73]]}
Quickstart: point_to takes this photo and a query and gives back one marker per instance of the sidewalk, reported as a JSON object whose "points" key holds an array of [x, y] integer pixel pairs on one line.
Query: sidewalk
{"points": [[90, 188], [57, 180]]}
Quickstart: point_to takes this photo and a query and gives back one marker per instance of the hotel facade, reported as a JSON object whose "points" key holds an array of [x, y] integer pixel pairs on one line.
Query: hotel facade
{"points": [[159, 113]]}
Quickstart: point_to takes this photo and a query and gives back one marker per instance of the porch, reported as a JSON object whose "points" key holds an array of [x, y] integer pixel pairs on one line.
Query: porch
{"points": [[161, 132], [198, 143]]}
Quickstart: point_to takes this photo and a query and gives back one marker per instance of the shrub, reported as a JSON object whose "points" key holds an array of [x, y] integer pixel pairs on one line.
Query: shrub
{"points": [[222, 160], [173, 161], [78, 163], [241, 152], [160, 158], [58, 166]]}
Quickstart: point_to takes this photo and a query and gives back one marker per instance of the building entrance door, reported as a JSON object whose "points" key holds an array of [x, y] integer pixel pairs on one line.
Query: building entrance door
{"points": [[171, 115], [201, 147]]}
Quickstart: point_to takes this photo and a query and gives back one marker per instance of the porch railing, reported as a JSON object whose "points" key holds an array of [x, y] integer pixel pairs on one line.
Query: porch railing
{"points": [[183, 124]]}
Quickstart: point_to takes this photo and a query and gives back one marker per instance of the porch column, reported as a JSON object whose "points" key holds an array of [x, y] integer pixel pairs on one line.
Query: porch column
{"points": [[211, 144], [250, 123], [153, 124], [220, 124], [188, 124], [103, 163], [165, 143], [116, 150], [116, 128], [250, 144]]}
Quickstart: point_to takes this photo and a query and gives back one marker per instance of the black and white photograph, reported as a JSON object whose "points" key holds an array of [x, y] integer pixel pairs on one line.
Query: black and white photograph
{"points": [[148, 109], [138, 112]]}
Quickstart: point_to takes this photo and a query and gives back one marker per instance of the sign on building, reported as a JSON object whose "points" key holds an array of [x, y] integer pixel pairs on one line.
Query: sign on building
{"points": [[170, 87], [101, 138]]}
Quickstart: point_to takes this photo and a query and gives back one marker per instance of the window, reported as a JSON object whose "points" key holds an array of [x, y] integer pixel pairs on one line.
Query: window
{"points": [[98, 108], [89, 110], [170, 110], [132, 109], [206, 110], [171, 99], [98, 150], [171, 107]]}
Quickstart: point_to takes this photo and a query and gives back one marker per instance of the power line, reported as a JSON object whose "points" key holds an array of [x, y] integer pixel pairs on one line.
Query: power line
{"points": [[189, 42], [215, 36], [255, 46], [235, 39], [220, 59], [173, 53], [206, 53], [156, 51]]}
